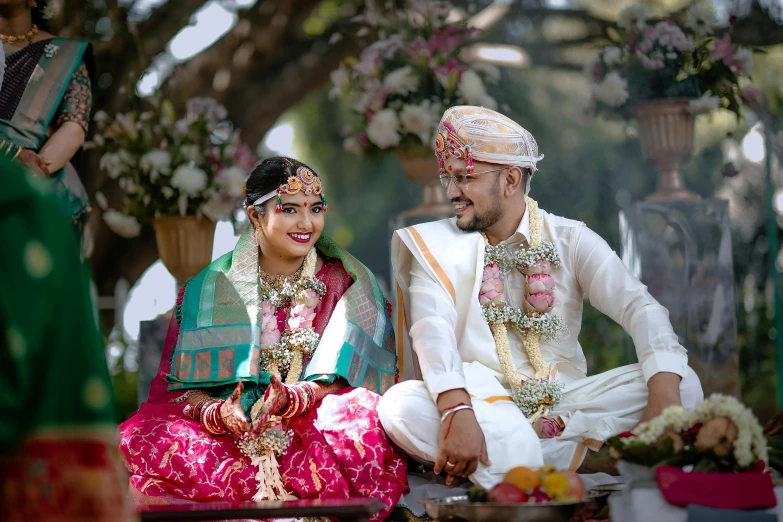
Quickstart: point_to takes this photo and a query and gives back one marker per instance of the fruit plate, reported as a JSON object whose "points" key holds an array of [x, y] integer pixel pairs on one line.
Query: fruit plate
{"points": [[460, 509]]}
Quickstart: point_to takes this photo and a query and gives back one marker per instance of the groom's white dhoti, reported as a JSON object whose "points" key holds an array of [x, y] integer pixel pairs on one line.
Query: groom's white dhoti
{"points": [[438, 271]]}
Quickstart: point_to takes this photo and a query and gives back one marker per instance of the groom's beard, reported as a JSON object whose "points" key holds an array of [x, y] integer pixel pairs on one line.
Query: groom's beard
{"points": [[485, 220]]}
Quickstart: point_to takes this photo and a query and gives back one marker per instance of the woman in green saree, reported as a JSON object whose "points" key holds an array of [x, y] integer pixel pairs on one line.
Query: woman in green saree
{"points": [[58, 455], [45, 100], [287, 331]]}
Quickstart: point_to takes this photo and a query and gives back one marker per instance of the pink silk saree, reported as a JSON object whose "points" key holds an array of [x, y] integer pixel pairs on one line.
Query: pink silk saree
{"points": [[339, 448]]}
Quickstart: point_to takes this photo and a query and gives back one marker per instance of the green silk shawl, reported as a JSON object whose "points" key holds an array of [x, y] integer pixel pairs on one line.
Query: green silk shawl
{"points": [[38, 106], [220, 327]]}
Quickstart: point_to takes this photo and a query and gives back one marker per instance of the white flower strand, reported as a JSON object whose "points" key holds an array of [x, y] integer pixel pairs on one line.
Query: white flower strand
{"points": [[750, 445], [263, 453]]}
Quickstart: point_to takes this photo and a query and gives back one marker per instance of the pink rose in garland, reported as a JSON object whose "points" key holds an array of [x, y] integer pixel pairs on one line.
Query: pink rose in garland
{"points": [[301, 317], [269, 332], [536, 283], [491, 286], [540, 302]]}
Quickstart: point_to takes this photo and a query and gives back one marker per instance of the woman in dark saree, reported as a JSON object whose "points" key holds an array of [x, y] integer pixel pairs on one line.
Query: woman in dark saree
{"points": [[45, 100]]}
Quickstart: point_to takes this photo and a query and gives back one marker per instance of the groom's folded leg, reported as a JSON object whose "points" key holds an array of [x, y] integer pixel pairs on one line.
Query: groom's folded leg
{"points": [[411, 420]]}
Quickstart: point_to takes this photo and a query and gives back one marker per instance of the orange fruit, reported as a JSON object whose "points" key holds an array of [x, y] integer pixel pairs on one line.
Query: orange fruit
{"points": [[556, 485], [522, 477]]}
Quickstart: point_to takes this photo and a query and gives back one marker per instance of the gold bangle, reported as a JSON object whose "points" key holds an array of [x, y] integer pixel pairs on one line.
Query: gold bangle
{"points": [[18, 152]]}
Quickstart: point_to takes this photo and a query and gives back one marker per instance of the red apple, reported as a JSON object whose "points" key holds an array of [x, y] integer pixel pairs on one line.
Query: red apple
{"points": [[577, 486], [505, 493]]}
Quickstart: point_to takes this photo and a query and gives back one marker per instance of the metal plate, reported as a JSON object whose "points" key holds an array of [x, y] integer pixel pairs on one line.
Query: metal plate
{"points": [[460, 509]]}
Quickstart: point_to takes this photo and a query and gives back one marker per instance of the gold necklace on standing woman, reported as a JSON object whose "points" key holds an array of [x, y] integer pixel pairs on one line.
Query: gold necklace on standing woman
{"points": [[27, 35]]}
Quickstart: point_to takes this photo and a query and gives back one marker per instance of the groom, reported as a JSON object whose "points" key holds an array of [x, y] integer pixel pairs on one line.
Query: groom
{"points": [[460, 416]]}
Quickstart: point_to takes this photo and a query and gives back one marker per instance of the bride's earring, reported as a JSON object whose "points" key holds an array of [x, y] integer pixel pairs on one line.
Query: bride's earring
{"points": [[33, 4]]}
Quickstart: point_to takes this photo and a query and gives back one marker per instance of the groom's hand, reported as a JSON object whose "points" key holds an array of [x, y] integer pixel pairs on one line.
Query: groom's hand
{"points": [[461, 442], [664, 391]]}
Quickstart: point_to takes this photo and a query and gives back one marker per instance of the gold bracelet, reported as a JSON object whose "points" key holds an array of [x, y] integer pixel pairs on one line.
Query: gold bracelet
{"points": [[18, 152]]}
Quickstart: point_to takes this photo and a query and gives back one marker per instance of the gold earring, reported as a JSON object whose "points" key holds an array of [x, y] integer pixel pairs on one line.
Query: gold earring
{"points": [[33, 4]]}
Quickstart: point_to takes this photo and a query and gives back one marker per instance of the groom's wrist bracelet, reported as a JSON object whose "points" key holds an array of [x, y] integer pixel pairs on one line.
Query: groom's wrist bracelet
{"points": [[455, 409]]}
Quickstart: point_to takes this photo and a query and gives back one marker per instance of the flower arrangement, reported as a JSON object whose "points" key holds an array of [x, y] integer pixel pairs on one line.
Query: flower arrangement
{"points": [[652, 59], [721, 434], [170, 164], [399, 85]]}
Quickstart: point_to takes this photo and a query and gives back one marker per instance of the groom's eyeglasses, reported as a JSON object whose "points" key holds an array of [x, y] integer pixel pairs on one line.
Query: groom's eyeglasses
{"points": [[464, 180]]}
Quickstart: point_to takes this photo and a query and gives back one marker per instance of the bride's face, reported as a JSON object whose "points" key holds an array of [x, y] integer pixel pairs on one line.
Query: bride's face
{"points": [[292, 232]]}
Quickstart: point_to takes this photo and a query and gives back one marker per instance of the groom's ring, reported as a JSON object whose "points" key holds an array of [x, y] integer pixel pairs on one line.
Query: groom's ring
{"points": [[450, 464]]}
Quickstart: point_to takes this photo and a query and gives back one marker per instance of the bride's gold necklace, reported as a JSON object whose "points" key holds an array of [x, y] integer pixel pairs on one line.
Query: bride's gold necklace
{"points": [[276, 282], [27, 35]]}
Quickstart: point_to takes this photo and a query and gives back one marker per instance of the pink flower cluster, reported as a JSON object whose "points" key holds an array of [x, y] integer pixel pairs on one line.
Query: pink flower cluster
{"points": [[539, 286], [270, 333], [491, 286], [664, 41], [303, 312], [738, 60]]}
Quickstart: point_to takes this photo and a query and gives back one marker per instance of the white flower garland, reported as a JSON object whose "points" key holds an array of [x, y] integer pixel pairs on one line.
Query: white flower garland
{"points": [[750, 446], [263, 453]]}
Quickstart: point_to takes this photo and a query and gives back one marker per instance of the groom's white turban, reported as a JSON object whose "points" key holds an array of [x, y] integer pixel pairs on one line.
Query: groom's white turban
{"points": [[471, 132]]}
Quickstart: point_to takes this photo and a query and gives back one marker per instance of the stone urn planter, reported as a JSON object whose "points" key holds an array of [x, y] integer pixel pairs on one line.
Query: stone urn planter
{"points": [[423, 170], [184, 244], [666, 130]]}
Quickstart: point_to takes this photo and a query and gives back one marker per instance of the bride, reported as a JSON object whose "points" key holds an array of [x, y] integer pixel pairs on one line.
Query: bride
{"points": [[272, 368]]}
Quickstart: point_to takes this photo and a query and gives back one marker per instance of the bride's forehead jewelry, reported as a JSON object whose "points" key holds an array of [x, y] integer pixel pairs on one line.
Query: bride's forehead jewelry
{"points": [[305, 181]]}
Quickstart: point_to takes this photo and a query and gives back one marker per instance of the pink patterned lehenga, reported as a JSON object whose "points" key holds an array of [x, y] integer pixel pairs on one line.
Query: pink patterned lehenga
{"points": [[338, 450]]}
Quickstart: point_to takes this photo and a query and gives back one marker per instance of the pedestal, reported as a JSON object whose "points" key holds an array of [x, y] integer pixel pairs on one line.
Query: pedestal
{"points": [[152, 336], [682, 251]]}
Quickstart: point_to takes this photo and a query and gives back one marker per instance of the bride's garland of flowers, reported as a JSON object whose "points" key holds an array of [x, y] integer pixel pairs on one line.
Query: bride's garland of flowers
{"points": [[534, 322], [284, 353]]}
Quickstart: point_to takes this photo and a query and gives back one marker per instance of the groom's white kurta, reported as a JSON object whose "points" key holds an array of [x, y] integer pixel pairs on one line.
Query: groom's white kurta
{"points": [[438, 271]]}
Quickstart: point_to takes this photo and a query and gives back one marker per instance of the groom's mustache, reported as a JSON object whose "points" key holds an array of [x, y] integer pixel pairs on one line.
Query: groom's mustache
{"points": [[461, 200]]}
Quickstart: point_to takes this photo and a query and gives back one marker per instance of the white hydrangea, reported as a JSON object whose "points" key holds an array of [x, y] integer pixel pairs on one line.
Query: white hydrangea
{"points": [[634, 17], [401, 81], [115, 164], [233, 180], [383, 129], [189, 180], [156, 163], [419, 120], [122, 224], [700, 19], [612, 91]]}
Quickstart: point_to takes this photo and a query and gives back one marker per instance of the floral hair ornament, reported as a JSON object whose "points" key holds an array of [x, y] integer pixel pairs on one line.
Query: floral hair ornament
{"points": [[305, 181]]}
